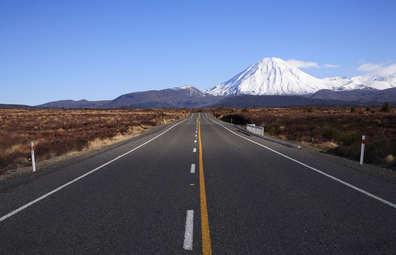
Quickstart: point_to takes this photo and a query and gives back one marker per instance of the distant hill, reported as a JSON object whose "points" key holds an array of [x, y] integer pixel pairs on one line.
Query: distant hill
{"points": [[278, 101], [363, 96], [17, 106], [75, 104]]}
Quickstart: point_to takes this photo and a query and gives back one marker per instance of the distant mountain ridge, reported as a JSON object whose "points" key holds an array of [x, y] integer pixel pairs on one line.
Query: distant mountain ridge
{"points": [[268, 76], [362, 82], [186, 96], [182, 97]]}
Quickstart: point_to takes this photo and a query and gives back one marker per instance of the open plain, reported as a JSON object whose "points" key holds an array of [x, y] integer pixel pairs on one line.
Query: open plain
{"points": [[59, 132]]}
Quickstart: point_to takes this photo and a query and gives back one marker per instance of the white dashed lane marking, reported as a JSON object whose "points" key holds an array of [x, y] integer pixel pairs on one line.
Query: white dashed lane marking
{"points": [[188, 234]]}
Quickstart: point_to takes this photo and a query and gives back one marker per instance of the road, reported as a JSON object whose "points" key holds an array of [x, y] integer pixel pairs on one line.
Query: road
{"points": [[199, 186]]}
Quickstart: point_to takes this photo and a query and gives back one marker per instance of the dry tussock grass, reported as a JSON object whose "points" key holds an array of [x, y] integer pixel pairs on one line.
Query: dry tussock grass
{"points": [[326, 145], [99, 143], [390, 159], [58, 132]]}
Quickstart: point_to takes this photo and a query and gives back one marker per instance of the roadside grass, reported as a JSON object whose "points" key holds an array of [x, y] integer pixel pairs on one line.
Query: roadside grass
{"points": [[335, 130], [59, 132]]}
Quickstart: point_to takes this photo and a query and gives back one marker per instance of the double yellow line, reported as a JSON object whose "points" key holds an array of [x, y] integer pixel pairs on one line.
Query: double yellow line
{"points": [[206, 244]]}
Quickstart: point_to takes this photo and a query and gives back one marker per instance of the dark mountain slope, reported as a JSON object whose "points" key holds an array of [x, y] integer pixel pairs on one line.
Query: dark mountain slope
{"points": [[186, 96], [277, 101], [378, 96]]}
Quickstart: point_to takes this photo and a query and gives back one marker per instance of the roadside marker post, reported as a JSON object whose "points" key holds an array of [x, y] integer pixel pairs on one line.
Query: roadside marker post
{"points": [[362, 152], [32, 156]]}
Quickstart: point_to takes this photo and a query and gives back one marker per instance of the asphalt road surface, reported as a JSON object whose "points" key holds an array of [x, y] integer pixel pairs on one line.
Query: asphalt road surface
{"points": [[198, 186]]}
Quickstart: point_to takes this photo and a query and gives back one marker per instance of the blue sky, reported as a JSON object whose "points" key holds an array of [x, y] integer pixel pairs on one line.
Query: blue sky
{"points": [[99, 50]]}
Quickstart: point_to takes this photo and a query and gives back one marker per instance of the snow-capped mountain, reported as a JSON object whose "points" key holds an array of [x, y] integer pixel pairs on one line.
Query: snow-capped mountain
{"points": [[362, 82], [270, 76], [273, 76]]}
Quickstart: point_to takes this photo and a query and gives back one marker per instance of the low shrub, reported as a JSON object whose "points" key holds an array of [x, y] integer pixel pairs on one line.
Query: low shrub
{"points": [[330, 134], [386, 107], [351, 139]]}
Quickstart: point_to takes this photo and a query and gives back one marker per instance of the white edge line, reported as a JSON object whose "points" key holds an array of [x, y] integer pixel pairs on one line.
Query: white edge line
{"points": [[82, 176], [188, 234], [316, 170]]}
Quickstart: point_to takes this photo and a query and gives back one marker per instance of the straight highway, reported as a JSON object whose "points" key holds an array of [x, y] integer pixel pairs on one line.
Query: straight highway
{"points": [[198, 186]]}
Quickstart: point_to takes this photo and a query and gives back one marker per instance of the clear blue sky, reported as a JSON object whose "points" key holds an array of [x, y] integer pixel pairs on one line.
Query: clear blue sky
{"points": [[99, 50]]}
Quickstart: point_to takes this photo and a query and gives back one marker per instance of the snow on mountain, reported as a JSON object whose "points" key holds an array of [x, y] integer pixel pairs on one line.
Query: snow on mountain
{"points": [[362, 82], [337, 81], [270, 76], [191, 91]]}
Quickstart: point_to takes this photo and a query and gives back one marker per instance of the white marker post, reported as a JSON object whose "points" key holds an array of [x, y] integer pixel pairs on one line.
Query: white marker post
{"points": [[32, 155], [362, 152]]}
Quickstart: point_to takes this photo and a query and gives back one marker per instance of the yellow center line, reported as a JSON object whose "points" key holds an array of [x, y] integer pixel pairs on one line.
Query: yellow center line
{"points": [[206, 245]]}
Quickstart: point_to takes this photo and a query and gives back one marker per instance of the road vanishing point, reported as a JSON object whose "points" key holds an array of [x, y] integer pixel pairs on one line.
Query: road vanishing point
{"points": [[198, 186]]}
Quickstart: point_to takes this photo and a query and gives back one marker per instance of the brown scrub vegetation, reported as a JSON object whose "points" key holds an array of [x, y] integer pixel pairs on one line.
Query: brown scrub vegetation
{"points": [[58, 132], [336, 130]]}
